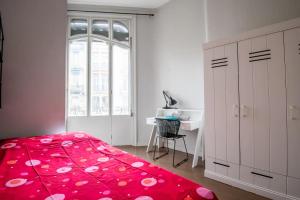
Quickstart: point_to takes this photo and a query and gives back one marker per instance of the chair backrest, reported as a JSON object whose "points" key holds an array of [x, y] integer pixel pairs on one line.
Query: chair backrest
{"points": [[166, 127]]}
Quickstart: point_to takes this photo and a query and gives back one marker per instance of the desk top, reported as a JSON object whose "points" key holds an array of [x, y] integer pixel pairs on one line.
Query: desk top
{"points": [[189, 125], [186, 114], [191, 118]]}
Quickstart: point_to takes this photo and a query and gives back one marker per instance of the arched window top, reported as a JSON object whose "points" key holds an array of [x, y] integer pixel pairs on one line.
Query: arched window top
{"points": [[120, 31], [108, 29], [79, 27], [100, 27]]}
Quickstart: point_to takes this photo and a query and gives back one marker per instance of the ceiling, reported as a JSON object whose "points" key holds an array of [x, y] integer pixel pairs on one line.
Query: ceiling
{"points": [[123, 3]]}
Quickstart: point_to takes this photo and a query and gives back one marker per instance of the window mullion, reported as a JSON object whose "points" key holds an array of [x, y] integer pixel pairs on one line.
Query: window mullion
{"points": [[89, 78], [110, 72]]}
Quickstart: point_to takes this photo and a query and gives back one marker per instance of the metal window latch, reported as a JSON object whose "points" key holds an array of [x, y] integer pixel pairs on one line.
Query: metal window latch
{"points": [[130, 41]]}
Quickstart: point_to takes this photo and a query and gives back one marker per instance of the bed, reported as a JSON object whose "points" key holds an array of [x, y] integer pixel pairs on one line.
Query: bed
{"points": [[78, 166]]}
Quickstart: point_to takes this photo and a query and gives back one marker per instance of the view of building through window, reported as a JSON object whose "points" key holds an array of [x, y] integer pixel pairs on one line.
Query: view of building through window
{"points": [[78, 77]]}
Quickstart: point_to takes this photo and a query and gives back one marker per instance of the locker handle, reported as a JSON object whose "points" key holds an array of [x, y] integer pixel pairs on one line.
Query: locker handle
{"points": [[216, 163], [244, 110], [292, 110], [258, 174], [235, 110]]}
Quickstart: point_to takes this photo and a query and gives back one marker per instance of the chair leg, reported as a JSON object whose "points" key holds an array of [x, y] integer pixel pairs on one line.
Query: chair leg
{"points": [[184, 160], [167, 145], [187, 154], [174, 153], [154, 147], [156, 158]]}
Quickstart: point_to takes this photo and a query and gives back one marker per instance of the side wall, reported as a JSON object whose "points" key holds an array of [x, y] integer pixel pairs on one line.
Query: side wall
{"points": [[231, 17], [33, 92], [178, 33]]}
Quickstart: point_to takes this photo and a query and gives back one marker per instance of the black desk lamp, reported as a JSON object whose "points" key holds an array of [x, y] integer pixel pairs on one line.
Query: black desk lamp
{"points": [[169, 101]]}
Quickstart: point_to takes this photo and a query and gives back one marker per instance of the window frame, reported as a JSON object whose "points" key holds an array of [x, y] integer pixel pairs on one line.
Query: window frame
{"points": [[90, 37]]}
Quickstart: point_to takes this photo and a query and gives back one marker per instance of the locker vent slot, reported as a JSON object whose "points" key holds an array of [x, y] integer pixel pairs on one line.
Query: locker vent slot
{"points": [[221, 62], [216, 163], [263, 175], [260, 55], [299, 48]]}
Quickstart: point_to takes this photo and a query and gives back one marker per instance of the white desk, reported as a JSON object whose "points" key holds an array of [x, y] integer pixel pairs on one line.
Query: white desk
{"points": [[195, 122]]}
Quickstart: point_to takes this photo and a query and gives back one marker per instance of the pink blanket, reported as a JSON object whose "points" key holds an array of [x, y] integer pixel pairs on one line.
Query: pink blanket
{"points": [[78, 166]]}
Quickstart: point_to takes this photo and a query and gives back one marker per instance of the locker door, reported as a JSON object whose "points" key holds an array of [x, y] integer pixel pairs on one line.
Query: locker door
{"points": [[246, 100], [209, 129], [292, 59], [263, 104], [277, 103], [219, 64], [232, 104], [221, 103]]}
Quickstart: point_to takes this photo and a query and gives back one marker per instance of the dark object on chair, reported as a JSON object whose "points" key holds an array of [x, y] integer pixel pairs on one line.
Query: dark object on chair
{"points": [[169, 101], [168, 129], [1, 56]]}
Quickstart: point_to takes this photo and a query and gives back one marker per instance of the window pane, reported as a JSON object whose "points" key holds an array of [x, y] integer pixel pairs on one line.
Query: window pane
{"points": [[100, 27], [77, 78], [120, 31], [99, 78], [78, 26], [121, 77]]}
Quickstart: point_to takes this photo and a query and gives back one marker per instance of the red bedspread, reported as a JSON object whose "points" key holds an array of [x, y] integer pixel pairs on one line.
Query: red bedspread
{"points": [[77, 166]]}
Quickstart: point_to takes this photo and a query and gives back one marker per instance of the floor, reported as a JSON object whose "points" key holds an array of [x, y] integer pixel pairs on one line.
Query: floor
{"points": [[223, 191]]}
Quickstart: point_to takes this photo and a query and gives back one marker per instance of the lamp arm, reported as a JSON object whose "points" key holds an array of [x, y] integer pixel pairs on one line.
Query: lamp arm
{"points": [[166, 94]]}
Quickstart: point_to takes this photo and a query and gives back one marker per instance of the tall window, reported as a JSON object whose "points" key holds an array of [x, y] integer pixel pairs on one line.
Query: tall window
{"points": [[99, 70]]}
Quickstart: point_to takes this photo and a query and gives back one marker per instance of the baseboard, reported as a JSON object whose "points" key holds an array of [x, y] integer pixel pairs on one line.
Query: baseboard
{"points": [[249, 187]]}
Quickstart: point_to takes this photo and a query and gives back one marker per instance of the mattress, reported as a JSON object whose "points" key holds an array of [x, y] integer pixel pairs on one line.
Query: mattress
{"points": [[78, 166]]}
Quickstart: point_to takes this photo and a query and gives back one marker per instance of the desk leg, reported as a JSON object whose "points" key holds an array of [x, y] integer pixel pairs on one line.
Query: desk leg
{"points": [[197, 148], [151, 140], [203, 146]]}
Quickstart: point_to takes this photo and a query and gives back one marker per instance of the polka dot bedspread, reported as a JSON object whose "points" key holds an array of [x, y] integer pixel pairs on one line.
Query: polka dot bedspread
{"points": [[77, 166]]}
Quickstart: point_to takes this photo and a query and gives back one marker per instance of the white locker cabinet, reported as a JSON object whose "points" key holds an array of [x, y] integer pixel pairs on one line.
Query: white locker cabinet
{"points": [[292, 59], [222, 104], [262, 88], [252, 110]]}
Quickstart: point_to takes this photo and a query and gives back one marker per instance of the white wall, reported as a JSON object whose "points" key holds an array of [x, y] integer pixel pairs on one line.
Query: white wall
{"points": [[178, 32], [34, 67], [145, 77], [230, 17]]}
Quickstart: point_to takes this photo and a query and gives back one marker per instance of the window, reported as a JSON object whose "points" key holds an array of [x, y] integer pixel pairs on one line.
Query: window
{"points": [[99, 78], [121, 85], [99, 67], [77, 77]]}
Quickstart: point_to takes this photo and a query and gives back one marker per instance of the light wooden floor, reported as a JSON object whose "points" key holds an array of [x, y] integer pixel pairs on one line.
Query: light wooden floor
{"points": [[223, 191]]}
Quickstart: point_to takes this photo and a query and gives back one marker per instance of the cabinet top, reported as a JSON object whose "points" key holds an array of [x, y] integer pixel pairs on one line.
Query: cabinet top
{"points": [[278, 27]]}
